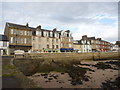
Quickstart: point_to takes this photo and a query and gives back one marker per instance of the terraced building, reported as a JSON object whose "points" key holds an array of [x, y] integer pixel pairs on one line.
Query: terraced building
{"points": [[19, 36], [23, 37]]}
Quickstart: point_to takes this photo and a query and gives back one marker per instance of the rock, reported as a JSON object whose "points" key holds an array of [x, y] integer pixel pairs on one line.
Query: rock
{"points": [[62, 73], [69, 80], [60, 82], [57, 81], [90, 73], [55, 77], [85, 79], [50, 79], [45, 77], [44, 74], [46, 81], [61, 87]]}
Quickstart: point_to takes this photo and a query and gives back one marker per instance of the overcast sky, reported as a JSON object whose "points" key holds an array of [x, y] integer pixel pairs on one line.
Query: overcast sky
{"points": [[82, 18]]}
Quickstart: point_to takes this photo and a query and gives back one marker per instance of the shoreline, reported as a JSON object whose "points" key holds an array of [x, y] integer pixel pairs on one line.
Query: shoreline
{"points": [[95, 79]]}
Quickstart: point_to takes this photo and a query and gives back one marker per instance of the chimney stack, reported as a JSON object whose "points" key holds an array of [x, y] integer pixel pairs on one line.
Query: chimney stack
{"points": [[54, 29], [27, 25], [84, 37], [39, 26], [99, 39]]}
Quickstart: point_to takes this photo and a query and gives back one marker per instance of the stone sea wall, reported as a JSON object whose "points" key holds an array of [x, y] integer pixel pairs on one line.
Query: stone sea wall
{"points": [[71, 56], [46, 62]]}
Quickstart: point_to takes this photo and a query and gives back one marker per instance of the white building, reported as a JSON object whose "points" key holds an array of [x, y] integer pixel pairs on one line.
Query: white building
{"points": [[116, 47], [86, 46], [4, 45]]}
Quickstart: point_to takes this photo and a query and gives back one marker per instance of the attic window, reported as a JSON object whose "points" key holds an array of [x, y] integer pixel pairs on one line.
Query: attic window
{"points": [[8, 24]]}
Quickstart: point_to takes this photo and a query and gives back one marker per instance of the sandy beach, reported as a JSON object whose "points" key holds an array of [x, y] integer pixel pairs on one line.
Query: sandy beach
{"points": [[63, 80]]}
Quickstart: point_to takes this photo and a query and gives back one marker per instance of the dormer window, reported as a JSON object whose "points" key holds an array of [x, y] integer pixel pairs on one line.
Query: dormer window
{"points": [[67, 34], [44, 33], [38, 33], [88, 42], [51, 34], [55, 34]]}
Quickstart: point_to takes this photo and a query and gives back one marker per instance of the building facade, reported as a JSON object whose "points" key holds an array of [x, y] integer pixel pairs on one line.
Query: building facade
{"points": [[116, 47], [77, 46], [4, 45], [23, 37], [66, 41], [46, 40], [19, 37], [52, 40], [92, 44]]}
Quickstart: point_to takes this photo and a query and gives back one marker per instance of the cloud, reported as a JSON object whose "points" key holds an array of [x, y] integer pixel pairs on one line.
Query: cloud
{"points": [[91, 18], [106, 32]]}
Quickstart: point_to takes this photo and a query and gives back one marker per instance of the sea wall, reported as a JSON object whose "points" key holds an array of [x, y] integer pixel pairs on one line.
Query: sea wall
{"points": [[30, 63], [71, 56]]}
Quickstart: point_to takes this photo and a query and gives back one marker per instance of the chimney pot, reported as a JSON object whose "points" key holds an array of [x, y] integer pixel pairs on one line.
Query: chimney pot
{"points": [[27, 25]]}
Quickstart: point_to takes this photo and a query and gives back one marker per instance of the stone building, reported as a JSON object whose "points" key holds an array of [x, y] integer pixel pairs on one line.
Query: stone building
{"points": [[23, 37], [66, 41], [45, 40], [19, 36], [4, 45], [92, 44], [77, 46]]}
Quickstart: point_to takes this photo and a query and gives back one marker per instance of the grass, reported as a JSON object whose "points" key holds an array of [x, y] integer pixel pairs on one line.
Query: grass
{"points": [[9, 70], [8, 75]]}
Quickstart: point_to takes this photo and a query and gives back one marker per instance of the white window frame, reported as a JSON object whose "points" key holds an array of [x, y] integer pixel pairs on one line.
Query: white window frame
{"points": [[21, 40], [11, 40], [51, 34], [25, 32], [12, 31], [25, 40]]}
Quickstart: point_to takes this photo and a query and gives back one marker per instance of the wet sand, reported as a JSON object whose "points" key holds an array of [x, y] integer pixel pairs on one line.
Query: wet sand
{"points": [[64, 80]]}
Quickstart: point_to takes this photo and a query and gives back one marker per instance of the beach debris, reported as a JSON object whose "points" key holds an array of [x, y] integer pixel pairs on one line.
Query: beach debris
{"points": [[85, 79]]}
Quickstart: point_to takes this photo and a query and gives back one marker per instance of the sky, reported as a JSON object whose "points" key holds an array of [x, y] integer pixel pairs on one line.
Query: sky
{"points": [[99, 19]]}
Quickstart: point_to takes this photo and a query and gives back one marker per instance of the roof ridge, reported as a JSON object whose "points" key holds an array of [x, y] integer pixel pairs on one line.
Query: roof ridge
{"points": [[19, 25]]}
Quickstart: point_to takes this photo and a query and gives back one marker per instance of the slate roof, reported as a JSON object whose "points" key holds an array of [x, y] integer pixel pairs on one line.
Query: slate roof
{"points": [[3, 38], [25, 27], [19, 26]]}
